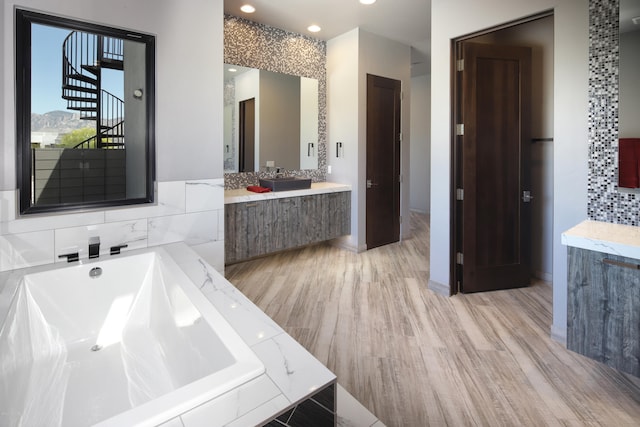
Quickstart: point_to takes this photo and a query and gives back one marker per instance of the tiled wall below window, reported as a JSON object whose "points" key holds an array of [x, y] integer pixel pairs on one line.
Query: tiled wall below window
{"points": [[189, 211]]}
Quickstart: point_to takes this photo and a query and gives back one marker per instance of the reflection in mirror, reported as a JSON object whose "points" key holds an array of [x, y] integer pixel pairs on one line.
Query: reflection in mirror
{"points": [[84, 114], [629, 95], [270, 121]]}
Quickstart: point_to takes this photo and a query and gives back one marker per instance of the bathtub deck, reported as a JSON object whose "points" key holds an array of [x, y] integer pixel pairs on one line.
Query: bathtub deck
{"points": [[292, 375]]}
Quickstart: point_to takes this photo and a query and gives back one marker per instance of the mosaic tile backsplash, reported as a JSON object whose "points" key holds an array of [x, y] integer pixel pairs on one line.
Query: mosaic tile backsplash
{"points": [[605, 202], [255, 45]]}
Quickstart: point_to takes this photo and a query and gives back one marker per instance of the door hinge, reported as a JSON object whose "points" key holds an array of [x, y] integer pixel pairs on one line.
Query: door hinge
{"points": [[400, 137], [460, 65], [400, 219], [460, 129], [459, 194], [400, 178], [459, 258]]}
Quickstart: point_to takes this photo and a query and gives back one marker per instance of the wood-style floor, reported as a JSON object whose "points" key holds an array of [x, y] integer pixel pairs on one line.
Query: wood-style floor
{"points": [[416, 358]]}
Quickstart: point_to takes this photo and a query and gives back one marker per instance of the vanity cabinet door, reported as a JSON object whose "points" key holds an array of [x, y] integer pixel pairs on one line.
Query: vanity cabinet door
{"points": [[285, 224], [603, 308], [311, 219], [336, 211], [246, 232]]}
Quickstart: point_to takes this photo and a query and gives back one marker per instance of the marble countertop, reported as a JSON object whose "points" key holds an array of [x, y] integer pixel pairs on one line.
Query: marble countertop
{"points": [[243, 195], [291, 374], [613, 239]]}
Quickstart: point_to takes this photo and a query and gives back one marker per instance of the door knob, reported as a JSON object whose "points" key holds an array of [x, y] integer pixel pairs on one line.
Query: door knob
{"points": [[371, 184], [526, 196]]}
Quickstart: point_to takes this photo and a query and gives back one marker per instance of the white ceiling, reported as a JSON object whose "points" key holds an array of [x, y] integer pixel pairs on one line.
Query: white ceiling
{"points": [[406, 21]]}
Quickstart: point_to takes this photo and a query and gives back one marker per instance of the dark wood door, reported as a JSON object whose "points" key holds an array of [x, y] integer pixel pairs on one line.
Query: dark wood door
{"points": [[247, 135], [383, 161], [495, 105]]}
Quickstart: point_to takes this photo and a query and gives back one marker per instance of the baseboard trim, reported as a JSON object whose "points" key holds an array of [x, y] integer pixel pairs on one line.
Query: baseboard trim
{"points": [[559, 334], [343, 243], [438, 288], [543, 276]]}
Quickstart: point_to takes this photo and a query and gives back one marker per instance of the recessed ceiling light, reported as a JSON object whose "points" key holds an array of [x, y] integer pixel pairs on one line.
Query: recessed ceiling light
{"points": [[314, 28], [367, 1], [247, 8], [232, 70]]}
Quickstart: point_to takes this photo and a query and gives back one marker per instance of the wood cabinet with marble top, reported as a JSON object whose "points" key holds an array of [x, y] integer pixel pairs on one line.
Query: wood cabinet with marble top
{"points": [[260, 224], [603, 301]]}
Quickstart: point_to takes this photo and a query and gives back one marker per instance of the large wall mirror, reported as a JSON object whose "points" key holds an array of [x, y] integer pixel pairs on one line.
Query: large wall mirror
{"points": [[270, 121], [629, 95], [85, 114]]}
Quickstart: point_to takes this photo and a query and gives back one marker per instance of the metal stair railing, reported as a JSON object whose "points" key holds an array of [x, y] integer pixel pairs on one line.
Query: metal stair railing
{"points": [[83, 57]]}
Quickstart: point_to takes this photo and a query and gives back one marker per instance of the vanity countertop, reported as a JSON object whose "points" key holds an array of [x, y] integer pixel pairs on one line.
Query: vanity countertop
{"points": [[614, 239], [243, 195]]}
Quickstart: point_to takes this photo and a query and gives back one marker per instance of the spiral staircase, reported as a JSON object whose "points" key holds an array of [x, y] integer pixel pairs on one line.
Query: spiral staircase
{"points": [[84, 56]]}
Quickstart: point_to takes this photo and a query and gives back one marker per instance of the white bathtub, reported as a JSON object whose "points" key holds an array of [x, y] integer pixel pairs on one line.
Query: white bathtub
{"points": [[137, 345]]}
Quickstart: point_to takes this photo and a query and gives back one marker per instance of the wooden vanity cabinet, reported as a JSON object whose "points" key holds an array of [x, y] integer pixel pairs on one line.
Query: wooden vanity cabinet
{"points": [[266, 226], [603, 308]]}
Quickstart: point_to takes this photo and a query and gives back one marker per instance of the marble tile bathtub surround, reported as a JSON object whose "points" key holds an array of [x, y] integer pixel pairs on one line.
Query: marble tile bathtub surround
{"points": [[191, 228], [76, 239], [26, 249], [171, 200], [292, 374], [186, 211], [293, 378], [204, 195]]}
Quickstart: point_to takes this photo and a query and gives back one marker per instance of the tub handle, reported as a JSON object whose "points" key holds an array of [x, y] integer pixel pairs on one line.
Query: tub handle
{"points": [[73, 256], [115, 250]]}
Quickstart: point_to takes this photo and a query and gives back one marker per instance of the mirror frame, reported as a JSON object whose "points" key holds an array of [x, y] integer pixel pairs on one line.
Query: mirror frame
{"points": [[23, 21]]}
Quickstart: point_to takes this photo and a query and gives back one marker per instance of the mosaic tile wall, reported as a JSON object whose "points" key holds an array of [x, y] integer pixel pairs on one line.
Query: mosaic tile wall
{"points": [[255, 45], [605, 202]]}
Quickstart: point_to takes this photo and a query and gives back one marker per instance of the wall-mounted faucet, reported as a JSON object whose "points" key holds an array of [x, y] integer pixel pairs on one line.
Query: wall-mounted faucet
{"points": [[94, 247]]}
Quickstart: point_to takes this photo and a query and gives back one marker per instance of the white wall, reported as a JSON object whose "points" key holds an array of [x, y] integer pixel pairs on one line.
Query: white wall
{"points": [[570, 123], [347, 119], [190, 202], [309, 118], [342, 123], [420, 144]]}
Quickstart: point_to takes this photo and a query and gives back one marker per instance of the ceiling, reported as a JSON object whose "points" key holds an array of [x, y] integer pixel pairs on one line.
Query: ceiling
{"points": [[405, 21]]}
